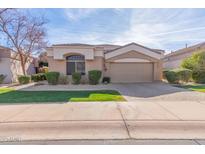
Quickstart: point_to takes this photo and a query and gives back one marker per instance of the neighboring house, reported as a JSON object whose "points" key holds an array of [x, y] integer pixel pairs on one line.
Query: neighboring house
{"points": [[174, 59], [10, 65], [123, 64]]}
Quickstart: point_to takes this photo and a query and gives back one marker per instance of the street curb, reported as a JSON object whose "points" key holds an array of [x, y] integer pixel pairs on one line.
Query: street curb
{"points": [[104, 130]]}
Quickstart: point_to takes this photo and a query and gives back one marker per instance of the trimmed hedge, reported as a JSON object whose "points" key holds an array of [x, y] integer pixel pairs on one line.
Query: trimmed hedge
{"points": [[76, 77], [35, 77], [24, 79], [198, 76], [38, 77], [52, 77], [94, 76], [171, 76], [164, 74], [2, 77], [184, 74], [177, 75]]}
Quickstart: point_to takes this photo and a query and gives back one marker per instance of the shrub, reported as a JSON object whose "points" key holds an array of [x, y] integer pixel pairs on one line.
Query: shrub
{"points": [[42, 76], [171, 76], [52, 77], [94, 76], [184, 74], [76, 77], [35, 77], [23, 79], [176, 75], [38, 77], [198, 75], [2, 77], [106, 80], [63, 79], [164, 74]]}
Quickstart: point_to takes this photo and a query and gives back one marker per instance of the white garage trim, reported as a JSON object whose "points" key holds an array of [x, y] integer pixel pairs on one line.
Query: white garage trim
{"points": [[132, 60], [133, 47]]}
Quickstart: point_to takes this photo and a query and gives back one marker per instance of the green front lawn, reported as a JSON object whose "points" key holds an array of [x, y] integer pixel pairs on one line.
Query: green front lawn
{"points": [[200, 88], [9, 95]]}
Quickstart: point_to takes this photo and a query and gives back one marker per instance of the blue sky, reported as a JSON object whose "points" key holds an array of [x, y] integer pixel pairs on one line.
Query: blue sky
{"points": [[167, 29]]}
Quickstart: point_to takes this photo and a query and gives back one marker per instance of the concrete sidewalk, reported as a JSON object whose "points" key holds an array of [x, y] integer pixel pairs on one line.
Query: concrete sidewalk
{"points": [[105, 111], [103, 120]]}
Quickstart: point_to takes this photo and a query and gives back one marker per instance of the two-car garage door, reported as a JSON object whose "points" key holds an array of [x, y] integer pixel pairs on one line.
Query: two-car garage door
{"points": [[131, 72]]}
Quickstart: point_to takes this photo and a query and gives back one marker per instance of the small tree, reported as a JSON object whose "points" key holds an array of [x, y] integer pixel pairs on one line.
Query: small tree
{"points": [[196, 61], [188, 63], [25, 33]]}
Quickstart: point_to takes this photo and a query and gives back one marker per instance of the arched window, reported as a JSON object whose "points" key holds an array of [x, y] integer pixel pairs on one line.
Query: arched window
{"points": [[75, 63]]}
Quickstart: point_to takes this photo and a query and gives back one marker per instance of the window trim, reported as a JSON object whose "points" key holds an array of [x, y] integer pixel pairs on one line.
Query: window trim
{"points": [[75, 63], [83, 58]]}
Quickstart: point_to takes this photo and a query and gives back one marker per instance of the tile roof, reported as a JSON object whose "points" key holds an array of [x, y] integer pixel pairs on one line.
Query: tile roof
{"points": [[72, 44], [188, 49], [82, 44], [153, 50], [108, 47]]}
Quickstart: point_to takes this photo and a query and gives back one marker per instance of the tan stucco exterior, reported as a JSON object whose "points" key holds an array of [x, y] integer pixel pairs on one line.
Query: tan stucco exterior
{"points": [[96, 64], [174, 59], [57, 65], [11, 67], [138, 58]]}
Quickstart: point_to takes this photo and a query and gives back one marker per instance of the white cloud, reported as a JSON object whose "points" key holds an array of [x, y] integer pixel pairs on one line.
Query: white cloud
{"points": [[167, 29], [180, 31], [158, 27], [76, 14], [62, 35]]}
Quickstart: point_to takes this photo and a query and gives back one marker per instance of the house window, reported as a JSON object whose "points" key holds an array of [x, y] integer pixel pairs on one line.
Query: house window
{"points": [[75, 63]]}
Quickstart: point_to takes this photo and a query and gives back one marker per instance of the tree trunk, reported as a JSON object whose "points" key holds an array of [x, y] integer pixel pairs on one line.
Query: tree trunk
{"points": [[23, 64], [24, 70]]}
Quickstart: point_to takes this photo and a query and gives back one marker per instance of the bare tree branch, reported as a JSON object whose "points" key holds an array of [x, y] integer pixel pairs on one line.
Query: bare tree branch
{"points": [[3, 10], [26, 34]]}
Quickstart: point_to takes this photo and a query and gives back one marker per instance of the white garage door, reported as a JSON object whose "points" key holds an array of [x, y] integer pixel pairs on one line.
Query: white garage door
{"points": [[131, 72]]}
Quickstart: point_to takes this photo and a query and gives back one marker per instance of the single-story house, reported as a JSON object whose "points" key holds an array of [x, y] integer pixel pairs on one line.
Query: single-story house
{"points": [[174, 59], [123, 64], [10, 65]]}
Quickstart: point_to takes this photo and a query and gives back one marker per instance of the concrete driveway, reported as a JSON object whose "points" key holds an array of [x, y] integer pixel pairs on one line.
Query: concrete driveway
{"points": [[157, 92], [153, 111]]}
